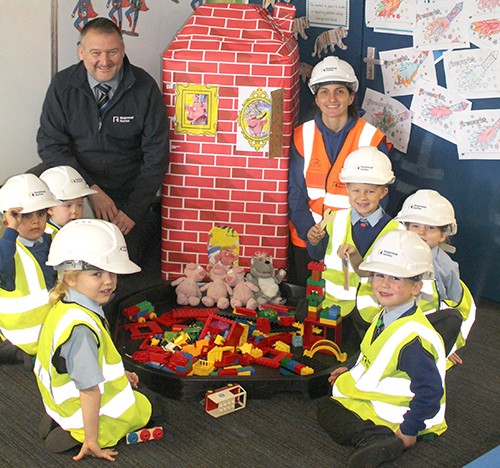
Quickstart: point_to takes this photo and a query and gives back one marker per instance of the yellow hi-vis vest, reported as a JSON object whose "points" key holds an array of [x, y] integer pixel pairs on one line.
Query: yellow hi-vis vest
{"points": [[51, 230], [340, 232], [430, 302], [23, 311], [375, 389], [122, 410]]}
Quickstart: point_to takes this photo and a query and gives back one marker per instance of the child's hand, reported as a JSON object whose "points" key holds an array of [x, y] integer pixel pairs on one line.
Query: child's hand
{"points": [[12, 218], [408, 441], [315, 234], [92, 449], [455, 359], [346, 250], [133, 378], [335, 373]]}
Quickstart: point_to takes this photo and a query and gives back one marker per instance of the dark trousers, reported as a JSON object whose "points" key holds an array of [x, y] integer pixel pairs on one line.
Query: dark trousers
{"points": [[298, 259], [447, 323], [346, 427]]}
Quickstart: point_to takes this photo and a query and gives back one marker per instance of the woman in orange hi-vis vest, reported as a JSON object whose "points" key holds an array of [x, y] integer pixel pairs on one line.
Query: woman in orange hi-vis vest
{"points": [[318, 151]]}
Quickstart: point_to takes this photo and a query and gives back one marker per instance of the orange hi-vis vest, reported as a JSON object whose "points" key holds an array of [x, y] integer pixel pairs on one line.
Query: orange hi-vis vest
{"points": [[322, 178]]}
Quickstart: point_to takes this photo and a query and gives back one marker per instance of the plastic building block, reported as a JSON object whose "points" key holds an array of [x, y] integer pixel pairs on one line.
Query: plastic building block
{"points": [[225, 400], [295, 367], [297, 341], [263, 325], [143, 330], [154, 433], [280, 346], [328, 347]]}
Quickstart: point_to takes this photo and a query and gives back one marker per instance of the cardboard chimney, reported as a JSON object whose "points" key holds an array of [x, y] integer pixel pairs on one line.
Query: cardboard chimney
{"points": [[231, 87]]}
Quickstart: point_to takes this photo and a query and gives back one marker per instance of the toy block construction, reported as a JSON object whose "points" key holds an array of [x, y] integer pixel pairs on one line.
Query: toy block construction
{"points": [[328, 321], [225, 400]]}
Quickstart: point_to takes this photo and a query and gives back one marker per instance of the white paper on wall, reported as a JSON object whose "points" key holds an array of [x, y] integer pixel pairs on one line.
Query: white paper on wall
{"points": [[389, 116], [479, 7], [328, 13], [478, 134], [433, 108], [388, 15], [484, 30], [441, 25], [402, 68], [473, 73]]}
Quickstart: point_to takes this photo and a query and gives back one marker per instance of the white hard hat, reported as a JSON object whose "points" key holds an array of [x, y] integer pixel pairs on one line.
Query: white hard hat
{"points": [[66, 183], [28, 192], [430, 208], [402, 254], [86, 243], [332, 70], [367, 165]]}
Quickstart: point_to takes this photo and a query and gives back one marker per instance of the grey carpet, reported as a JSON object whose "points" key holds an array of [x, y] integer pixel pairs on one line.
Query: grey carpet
{"points": [[279, 432]]}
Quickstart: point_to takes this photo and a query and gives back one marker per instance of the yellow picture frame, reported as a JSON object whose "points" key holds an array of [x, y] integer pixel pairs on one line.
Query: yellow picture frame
{"points": [[196, 108]]}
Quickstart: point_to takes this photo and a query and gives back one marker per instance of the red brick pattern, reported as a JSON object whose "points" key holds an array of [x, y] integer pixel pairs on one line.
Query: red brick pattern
{"points": [[209, 182]]}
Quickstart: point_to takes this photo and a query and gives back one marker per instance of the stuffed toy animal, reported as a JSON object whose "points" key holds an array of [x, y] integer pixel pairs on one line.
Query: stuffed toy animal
{"points": [[187, 289], [217, 290], [262, 275], [243, 291]]}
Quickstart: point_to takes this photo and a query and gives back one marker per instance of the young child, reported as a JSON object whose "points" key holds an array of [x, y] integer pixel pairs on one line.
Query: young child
{"points": [[24, 277], [395, 391], [446, 301], [85, 389], [69, 187], [350, 235]]}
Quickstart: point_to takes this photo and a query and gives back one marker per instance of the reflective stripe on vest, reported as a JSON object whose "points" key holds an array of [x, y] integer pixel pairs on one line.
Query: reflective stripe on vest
{"points": [[324, 188], [23, 311], [385, 400], [339, 232], [127, 409]]}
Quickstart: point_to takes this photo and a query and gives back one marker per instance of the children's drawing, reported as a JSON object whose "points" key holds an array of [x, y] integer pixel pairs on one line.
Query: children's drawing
{"points": [[433, 108], [441, 25], [132, 14], [223, 245], [478, 134], [196, 108], [402, 68], [83, 11], [485, 31], [116, 8], [391, 14], [389, 116], [254, 118], [330, 38], [484, 6], [473, 73]]}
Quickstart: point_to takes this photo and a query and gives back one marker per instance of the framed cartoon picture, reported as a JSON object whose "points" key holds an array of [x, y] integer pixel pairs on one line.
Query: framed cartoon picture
{"points": [[196, 109]]}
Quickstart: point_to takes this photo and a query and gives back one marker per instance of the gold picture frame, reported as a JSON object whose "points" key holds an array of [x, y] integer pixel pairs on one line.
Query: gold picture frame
{"points": [[196, 108]]}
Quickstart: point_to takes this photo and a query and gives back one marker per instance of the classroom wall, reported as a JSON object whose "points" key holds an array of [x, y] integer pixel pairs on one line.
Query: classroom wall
{"points": [[25, 59]]}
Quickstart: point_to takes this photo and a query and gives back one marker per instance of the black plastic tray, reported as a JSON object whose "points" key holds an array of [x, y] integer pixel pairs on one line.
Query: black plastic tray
{"points": [[265, 383]]}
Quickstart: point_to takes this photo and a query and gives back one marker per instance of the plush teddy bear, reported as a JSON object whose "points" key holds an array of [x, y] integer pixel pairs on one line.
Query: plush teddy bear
{"points": [[243, 291], [217, 290], [187, 289], [262, 275]]}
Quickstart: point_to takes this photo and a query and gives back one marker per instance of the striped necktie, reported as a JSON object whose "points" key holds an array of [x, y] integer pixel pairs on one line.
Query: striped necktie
{"points": [[103, 90]]}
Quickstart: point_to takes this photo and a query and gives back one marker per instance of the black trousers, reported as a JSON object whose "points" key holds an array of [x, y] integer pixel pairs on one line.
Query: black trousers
{"points": [[346, 427], [298, 259]]}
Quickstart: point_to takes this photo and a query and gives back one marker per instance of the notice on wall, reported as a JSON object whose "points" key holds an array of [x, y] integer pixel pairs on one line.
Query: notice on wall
{"points": [[402, 68], [389, 116], [473, 73], [434, 107], [478, 134], [328, 13]]}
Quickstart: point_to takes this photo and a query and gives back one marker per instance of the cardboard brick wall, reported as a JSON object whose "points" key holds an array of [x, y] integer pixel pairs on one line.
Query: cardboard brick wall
{"points": [[210, 182]]}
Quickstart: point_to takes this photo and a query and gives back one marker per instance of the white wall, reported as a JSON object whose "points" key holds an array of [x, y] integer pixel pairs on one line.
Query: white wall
{"points": [[25, 62]]}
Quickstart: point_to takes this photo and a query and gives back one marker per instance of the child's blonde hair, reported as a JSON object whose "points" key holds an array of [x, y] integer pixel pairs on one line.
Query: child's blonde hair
{"points": [[61, 287]]}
